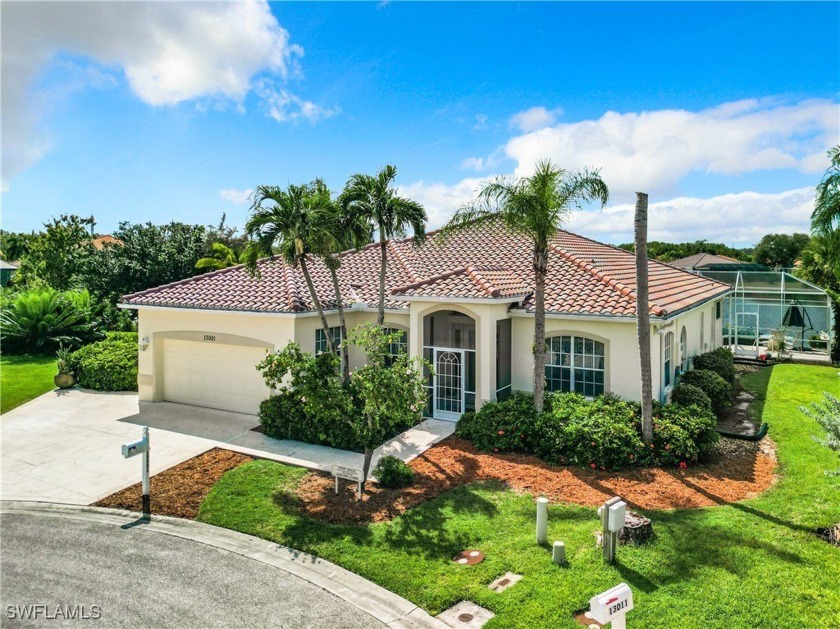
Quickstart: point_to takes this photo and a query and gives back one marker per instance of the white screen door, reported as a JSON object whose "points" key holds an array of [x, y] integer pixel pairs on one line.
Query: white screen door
{"points": [[449, 384]]}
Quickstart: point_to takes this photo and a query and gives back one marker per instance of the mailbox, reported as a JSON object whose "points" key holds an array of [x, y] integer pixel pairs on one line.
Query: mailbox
{"points": [[135, 447], [616, 516], [612, 604]]}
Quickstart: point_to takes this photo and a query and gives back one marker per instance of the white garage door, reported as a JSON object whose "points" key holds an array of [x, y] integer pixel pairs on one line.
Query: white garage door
{"points": [[213, 375]]}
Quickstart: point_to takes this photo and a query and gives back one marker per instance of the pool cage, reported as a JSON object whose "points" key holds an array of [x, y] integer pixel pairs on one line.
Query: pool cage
{"points": [[765, 305]]}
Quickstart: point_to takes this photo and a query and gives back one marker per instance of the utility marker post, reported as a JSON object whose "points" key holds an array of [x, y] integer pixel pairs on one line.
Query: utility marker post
{"points": [[542, 520], [141, 446], [613, 514]]}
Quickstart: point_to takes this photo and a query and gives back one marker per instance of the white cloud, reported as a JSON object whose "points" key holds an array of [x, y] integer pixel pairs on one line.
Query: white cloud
{"points": [[652, 151], [473, 163], [284, 106], [439, 199], [739, 218], [534, 118], [480, 122], [233, 195], [168, 52]]}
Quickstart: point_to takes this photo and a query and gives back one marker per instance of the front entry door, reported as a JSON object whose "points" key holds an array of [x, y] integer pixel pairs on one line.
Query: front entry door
{"points": [[449, 384]]}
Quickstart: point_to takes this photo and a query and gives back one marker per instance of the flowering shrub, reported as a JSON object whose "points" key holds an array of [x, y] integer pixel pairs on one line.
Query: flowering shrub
{"points": [[604, 433]]}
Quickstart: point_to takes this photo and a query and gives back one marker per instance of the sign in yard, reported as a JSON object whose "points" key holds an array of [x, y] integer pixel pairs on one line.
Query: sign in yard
{"points": [[133, 448], [612, 605], [347, 473]]}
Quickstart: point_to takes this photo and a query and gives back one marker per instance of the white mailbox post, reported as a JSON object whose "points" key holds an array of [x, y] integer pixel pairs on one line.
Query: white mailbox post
{"points": [[141, 446], [612, 605]]}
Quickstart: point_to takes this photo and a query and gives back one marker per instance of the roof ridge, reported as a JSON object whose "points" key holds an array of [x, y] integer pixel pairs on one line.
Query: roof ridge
{"points": [[427, 280], [590, 268], [293, 299], [483, 283], [401, 259]]}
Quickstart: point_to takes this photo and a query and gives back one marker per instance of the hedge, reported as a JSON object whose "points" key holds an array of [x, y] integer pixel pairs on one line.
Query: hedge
{"points": [[108, 365], [687, 394], [718, 389], [604, 433], [721, 361]]}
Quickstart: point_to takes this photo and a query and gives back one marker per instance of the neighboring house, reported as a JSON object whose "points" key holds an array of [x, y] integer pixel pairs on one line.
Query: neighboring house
{"points": [[702, 261], [101, 242], [464, 304], [7, 270]]}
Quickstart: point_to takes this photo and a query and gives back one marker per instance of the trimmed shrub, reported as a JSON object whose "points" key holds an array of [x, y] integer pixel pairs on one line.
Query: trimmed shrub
{"points": [[687, 394], [109, 365], [501, 426], [682, 434], [393, 473], [718, 389], [721, 361]]}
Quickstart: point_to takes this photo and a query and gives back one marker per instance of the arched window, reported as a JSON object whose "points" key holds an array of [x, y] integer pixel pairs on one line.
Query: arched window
{"points": [[683, 351], [575, 363], [667, 363]]}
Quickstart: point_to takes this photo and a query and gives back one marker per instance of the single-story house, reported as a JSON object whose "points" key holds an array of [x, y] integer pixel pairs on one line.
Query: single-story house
{"points": [[465, 304], [7, 270]]}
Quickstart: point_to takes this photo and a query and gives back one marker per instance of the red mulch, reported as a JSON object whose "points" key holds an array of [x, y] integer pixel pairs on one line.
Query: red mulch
{"points": [[180, 490], [740, 470]]}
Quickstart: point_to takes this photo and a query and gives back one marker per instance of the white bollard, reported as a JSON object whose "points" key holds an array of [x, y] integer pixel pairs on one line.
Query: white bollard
{"points": [[558, 553], [542, 520]]}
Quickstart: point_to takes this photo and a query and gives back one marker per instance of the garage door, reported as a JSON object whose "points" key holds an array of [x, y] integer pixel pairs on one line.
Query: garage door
{"points": [[213, 375]]}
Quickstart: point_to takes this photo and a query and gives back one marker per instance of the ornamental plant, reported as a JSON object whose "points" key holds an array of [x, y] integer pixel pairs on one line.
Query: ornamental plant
{"points": [[827, 415], [718, 389]]}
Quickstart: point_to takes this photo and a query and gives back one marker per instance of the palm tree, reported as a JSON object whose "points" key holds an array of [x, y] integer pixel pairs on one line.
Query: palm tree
{"points": [[336, 230], [286, 226], [643, 313], [535, 207], [221, 257], [826, 215], [374, 200], [821, 265]]}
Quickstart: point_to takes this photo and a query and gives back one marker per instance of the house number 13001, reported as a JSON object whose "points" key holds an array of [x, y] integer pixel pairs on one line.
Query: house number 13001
{"points": [[209, 337]]}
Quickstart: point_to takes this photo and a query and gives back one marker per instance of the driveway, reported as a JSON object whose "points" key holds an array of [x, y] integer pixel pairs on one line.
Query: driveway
{"points": [[148, 575]]}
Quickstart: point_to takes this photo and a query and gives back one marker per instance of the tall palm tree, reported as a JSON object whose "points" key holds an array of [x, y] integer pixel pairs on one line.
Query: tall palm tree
{"points": [[221, 257], [336, 230], [821, 265], [826, 215], [374, 200], [286, 227], [643, 313], [535, 207]]}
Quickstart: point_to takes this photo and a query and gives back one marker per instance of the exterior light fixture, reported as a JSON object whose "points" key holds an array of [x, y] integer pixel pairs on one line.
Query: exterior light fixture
{"points": [[144, 343]]}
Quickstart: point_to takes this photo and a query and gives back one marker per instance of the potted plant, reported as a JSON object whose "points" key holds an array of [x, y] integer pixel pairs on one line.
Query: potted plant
{"points": [[64, 378]]}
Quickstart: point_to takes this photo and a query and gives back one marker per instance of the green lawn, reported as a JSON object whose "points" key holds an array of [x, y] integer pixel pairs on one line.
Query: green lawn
{"points": [[751, 564], [23, 378]]}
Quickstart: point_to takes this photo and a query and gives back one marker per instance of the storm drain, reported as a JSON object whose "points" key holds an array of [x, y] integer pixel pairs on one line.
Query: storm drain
{"points": [[465, 614]]}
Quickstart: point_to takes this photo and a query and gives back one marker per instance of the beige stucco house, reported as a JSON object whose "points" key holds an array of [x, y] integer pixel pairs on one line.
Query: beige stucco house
{"points": [[465, 304]]}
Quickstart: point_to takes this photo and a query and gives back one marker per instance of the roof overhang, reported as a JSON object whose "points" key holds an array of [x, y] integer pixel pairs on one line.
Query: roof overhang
{"points": [[515, 299]]}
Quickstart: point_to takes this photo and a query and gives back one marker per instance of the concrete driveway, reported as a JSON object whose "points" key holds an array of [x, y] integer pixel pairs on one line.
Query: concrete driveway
{"points": [[175, 574], [65, 445]]}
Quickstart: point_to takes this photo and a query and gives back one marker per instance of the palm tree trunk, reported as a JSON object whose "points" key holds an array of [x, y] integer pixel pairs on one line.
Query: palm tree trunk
{"points": [[643, 314], [540, 269], [317, 302], [383, 246], [343, 349]]}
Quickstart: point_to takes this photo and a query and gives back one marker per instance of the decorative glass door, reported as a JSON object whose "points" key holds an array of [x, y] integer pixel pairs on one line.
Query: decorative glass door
{"points": [[449, 384]]}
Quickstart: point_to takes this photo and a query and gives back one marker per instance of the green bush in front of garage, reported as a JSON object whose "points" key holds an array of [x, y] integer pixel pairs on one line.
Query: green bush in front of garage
{"points": [[107, 365]]}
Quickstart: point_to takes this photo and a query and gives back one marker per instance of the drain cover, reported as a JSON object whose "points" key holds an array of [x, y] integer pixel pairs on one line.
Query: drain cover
{"points": [[465, 617], [469, 557]]}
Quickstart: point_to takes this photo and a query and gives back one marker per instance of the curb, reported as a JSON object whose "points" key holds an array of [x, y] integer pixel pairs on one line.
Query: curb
{"points": [[370, 598]]}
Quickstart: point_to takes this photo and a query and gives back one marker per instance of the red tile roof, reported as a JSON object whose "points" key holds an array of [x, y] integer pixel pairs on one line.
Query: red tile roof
{"points": [[486, 262]]}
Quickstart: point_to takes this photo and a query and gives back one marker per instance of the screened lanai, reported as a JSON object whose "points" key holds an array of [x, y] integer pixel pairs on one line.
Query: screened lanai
{"points": [[764, 304]]}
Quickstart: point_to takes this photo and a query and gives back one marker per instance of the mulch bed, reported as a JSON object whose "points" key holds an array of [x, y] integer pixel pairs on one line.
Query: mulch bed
{"points": [[180, 490], [740, 470]]}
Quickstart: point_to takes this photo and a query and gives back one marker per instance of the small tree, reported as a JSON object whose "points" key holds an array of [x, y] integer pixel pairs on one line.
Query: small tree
{"points": [[386, 395], [827, 415]]}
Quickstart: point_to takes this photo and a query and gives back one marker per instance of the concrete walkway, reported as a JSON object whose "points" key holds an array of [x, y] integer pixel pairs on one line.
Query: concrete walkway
{"points": [[64, 446], [169, 572]]}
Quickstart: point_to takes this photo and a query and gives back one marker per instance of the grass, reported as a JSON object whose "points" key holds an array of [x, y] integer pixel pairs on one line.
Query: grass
{"points": [[23, 378], [751, 564]]}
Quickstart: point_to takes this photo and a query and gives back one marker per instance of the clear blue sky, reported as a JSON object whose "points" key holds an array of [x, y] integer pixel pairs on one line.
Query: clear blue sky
{"points": [[718, 109]]}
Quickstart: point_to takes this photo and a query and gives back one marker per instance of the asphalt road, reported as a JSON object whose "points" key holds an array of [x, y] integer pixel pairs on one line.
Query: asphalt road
{"points": [[142, 578]]}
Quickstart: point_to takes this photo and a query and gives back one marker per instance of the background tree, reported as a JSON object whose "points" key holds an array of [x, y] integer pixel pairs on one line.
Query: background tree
{"points": [[668, 251], [780, 251], [14, 245], [53, 257], [226, 235], [286, 227], [821, 265], [374, 200], [221, 257], [826, 215], [535, 207]]}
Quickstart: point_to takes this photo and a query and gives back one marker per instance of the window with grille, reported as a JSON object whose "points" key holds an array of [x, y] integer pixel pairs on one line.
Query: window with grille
{"points": [[321, 344], [666, 362], [575, 363]]}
